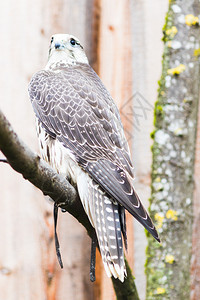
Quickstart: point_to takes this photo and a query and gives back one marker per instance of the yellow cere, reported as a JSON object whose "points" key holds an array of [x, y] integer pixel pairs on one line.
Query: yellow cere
{"points": [[159, 218], [191, 20], [172, 214], [169, 259], [171, 32], [176, 71], [160, 290]]}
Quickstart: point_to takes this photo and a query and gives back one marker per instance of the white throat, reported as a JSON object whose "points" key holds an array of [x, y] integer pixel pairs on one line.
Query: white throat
{"points": [[61, 56]]}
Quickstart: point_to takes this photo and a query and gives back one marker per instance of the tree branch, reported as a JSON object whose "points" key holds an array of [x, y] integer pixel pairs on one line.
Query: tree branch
{"points": [[126, 290], [40, 174]]}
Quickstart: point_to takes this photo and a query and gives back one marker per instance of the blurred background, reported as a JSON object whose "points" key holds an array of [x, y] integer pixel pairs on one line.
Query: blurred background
{"points": [[122, 40]]}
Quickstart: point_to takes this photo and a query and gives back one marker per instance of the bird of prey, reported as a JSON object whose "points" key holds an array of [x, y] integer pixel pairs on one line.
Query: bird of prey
{"points": [[81, 136]]}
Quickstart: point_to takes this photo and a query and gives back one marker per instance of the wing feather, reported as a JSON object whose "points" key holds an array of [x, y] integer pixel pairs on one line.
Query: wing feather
{"points": [[74, 106]]}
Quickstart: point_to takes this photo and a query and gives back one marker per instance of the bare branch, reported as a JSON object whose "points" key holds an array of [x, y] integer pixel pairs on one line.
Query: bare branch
{"points": [[23, 160], [33, 168]]}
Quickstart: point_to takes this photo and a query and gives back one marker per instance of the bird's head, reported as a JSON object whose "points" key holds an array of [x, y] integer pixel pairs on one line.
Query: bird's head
{"points": [[67, 48]]}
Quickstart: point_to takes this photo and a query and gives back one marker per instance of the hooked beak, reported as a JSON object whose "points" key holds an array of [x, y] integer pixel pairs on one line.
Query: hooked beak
{"points": [[59, 46]]}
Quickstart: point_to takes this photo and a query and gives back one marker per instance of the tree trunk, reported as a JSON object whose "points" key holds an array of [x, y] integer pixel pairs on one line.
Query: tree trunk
{"points": [[168, 264], [195, 261], [147, 47]]}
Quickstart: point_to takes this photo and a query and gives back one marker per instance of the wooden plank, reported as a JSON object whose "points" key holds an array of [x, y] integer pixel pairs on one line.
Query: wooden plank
{"points": [[115, 69], [21, 214], [27, 254]]}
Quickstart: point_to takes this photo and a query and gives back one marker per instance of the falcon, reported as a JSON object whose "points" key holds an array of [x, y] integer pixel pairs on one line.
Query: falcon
{"points": [[81, 136]]}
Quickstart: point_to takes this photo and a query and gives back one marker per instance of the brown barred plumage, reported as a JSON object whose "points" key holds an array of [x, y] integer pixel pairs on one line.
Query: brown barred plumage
{"points": [[81, 136]]}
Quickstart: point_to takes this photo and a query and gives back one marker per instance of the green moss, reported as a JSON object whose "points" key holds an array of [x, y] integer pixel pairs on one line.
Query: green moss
{"points": [[126, 290], [159, 110], [164, 262], [162, 94], [165, 27], [155, 149], [156, 273], [168, 24], [152, 134]]}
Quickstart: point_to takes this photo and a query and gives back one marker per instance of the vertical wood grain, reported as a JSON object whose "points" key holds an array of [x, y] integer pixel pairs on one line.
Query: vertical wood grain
{"points": [[28, 264], [21, 213], [115, 70]]}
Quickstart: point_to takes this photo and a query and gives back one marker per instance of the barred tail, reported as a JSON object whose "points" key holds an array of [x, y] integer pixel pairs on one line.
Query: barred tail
{"points": [[106, 220]]}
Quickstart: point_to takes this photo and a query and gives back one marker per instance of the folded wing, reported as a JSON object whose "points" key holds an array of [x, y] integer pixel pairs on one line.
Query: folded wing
{"points": [[74, 107]]}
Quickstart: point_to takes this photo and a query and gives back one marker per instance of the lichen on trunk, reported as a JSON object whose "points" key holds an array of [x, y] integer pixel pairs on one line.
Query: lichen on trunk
{"points": [[168, 264]]}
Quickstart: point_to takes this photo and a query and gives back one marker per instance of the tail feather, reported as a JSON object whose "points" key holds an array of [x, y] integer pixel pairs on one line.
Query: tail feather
{"points": [[107, 224], [107, 219]]}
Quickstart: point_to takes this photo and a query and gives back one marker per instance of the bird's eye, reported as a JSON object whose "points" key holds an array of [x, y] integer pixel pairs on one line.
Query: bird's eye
{"points": [[73, 42], [52, 40]]}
